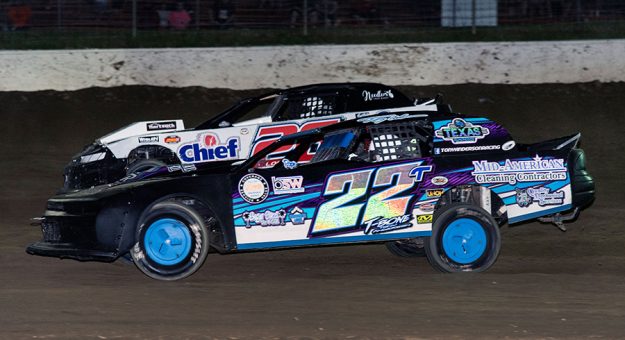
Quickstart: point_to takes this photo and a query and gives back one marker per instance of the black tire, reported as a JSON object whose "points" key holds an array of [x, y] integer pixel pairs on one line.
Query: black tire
{"points": [[408, 248], [143, 165], [178, 228], [465, 238]]}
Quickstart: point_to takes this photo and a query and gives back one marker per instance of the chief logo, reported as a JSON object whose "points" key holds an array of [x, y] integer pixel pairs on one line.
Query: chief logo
{"points": [[253, 188], [459, 131], [209, 149]]}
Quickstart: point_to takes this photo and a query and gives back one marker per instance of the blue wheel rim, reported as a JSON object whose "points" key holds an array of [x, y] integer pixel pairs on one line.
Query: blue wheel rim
{"points": [[167, 241], [464, 240]]}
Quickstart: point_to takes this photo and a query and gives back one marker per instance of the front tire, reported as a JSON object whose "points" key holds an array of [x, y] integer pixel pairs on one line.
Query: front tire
{"points": [[465, 238], [172, 241]]}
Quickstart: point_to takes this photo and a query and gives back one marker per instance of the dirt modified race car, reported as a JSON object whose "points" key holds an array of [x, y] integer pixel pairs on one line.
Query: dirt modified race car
{"points": [[446, 182], [240, 131]]}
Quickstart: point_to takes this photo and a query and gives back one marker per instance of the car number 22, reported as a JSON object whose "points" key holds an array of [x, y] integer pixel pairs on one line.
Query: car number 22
{"points": [[340, 214]]}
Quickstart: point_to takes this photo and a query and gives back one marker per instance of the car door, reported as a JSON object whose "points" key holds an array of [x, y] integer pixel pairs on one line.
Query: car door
{"points": [[337, 197]]}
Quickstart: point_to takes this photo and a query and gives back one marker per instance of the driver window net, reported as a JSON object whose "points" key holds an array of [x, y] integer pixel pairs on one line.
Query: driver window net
{"points": [[314, 106], [394, 141]]}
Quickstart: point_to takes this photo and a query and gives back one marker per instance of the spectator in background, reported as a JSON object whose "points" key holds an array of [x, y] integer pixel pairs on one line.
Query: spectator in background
{"points": [[223, 13], [179, 18], [163, 16], [297, 16], [19, 15], [329, 10]]}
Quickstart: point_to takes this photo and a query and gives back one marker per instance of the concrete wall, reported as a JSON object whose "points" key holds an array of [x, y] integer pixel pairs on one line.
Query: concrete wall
{"points": [[283, 66]]}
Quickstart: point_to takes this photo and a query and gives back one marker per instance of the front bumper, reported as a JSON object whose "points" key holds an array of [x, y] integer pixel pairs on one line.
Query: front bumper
{"points": [[70, 251], [85, 172], [71, 236]]}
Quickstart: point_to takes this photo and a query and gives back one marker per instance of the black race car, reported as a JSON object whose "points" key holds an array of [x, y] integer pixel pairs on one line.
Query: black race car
{"points": [[419, 181]]}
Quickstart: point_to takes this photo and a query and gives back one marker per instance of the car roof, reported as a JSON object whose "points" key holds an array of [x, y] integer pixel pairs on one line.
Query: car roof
{"points": [[312, 89]]}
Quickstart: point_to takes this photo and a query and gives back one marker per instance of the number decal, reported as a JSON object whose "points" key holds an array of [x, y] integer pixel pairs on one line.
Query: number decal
{"points": [[333, 213], [268, 135], [383, 204], [335, 216]]}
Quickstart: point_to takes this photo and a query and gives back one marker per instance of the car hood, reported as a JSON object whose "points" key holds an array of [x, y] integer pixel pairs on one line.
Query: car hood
{"points": [[143, 128]]}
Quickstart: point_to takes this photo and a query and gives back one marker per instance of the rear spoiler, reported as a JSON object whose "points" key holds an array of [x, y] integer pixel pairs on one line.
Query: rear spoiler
{"points": [[567, 142]]}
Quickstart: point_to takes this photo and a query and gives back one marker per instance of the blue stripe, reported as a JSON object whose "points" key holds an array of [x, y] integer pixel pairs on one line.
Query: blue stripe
{"points": [[540, 213], [276, 203], [333, 240]]}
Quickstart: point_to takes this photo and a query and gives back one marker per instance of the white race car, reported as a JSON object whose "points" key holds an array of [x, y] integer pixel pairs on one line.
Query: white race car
{"points": [[237, 133]]}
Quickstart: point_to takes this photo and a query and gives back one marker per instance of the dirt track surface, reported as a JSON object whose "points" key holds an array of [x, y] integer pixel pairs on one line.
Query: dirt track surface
{"points": [[545, 284]]}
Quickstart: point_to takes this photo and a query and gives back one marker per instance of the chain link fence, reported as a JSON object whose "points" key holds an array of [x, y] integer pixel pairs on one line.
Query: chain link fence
{"points": [[296, 16]]}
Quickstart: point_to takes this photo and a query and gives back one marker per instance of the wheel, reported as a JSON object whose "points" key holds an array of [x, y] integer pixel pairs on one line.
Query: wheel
{"points": [[171, 241], [143, 165], [409, 248], [465, 238]]}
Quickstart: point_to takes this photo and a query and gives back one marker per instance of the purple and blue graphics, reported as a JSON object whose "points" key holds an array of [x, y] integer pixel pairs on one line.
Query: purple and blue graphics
{"points": [[371, 203], [386, 201]]}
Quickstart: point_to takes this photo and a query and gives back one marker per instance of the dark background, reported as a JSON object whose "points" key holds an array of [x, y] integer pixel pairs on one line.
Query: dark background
{"points": [[545, 284]]}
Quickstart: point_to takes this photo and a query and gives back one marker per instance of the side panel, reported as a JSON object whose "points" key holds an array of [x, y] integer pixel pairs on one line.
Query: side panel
{"points": [[307, 207]]}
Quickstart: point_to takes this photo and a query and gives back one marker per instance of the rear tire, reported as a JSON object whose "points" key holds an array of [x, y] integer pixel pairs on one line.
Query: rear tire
{"points": [[465, 238], [171, 241]]}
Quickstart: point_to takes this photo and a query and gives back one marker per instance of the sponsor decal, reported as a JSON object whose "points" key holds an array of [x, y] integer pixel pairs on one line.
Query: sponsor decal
{"points": [[509, 145], [439, 180], [209, 149], [172, 139], [253, 188], [287, 185], [265, 219], [181, 167], [432, 193], [379, 95], [244, 131], [512, 171], [290, 165], [424, 219], [459, 131], [542, 195], [426, 207], [148, 139], [386, 118], [297, 216], [438, 151], [382, 225], [161, 126], [418, 172]]}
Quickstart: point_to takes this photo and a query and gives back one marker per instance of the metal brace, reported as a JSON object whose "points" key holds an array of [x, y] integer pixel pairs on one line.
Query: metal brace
{"points": [[558, 219]]}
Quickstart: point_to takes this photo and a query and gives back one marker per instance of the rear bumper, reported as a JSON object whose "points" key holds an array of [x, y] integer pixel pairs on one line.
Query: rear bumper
{"points": [[582, 183]]}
